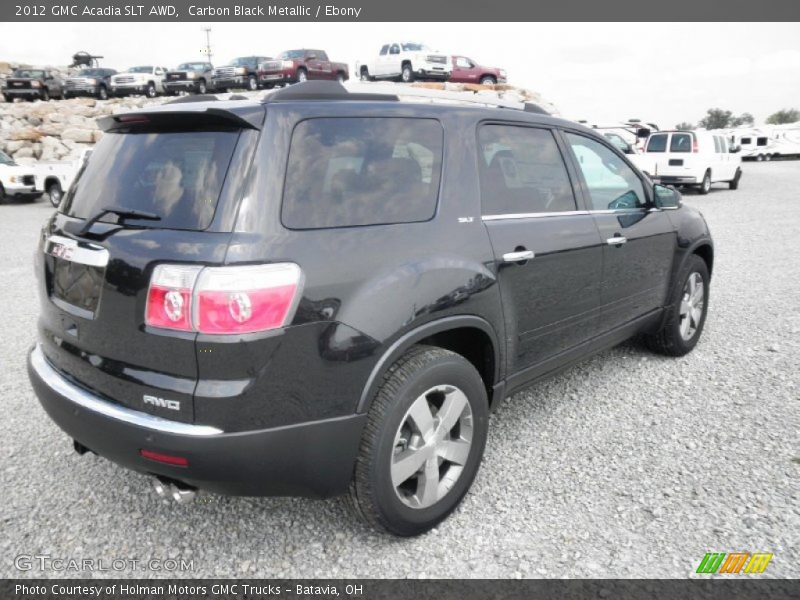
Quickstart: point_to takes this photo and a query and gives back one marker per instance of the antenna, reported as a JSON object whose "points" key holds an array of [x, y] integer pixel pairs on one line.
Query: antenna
{"points": [[207, 49]]}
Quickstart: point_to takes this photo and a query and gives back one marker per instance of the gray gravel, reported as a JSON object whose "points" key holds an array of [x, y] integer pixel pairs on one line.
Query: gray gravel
{"points": [[629, 465]]}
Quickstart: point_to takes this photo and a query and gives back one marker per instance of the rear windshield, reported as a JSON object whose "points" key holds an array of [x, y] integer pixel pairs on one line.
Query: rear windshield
{"points": [[177, 175], [657, 143], [681, 142], [362, 171]]}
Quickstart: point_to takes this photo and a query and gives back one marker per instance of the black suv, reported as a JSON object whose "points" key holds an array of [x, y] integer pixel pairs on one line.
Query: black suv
{"points": [[325, 293]]}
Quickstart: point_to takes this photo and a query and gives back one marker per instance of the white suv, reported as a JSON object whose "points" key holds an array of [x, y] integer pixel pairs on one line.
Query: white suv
{"points": [[405, 61], [696, 158]]}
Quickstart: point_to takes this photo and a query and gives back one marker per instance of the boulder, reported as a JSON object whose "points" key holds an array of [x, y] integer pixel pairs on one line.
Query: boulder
{"points": [[75, 134]]}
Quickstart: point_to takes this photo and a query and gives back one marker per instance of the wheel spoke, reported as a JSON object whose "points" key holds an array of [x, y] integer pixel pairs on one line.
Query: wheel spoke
{"points": [[406, 464], [420, 413], [428, 487], [685, 322], [698, 294], [456, 451], [685, 307], [697, 312], [454, 403]]}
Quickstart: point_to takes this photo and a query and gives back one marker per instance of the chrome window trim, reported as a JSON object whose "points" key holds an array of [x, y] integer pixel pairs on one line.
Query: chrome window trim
{"points": [[84, 253], [60, 385], [542, 215]]}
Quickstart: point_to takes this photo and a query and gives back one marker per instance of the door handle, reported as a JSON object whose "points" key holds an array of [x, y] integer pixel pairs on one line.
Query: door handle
{"points": [[616, 241], [512, 257]]}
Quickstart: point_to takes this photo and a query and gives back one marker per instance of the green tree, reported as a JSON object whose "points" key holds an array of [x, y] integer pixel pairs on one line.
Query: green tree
{"points": [[743, 119], [716, 118], [684, 126], [787, 115]]}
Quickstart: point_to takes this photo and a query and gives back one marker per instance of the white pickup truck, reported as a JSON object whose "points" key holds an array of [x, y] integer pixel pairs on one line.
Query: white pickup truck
{"points": [[147, 80], [16, 182], [405, 61], [54, 178]]}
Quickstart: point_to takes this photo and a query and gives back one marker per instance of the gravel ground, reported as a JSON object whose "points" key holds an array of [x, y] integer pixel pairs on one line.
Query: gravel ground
{"points": [[629, 465]]}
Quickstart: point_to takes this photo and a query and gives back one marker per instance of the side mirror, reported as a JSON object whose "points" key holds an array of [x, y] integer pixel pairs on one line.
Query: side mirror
{"points": [[666, 196], [734, 149]]}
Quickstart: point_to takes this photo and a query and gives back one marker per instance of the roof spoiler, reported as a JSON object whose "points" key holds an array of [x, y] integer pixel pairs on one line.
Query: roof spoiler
{"points": [[189, 119]]}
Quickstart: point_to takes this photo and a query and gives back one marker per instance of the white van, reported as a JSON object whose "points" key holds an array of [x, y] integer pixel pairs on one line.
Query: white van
{"points": [[696, 158]]}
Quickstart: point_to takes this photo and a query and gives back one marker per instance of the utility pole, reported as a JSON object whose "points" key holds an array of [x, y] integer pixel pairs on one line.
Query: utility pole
{"points": [[207, 50]]}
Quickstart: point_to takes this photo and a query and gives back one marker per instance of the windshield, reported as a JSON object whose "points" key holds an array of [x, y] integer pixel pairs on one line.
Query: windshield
{"points": [[414, 47], [291, 54], [91, 73], [5, 159], [176, 175], [140, 70], [192, 67], [29, 73], [242, 62]]}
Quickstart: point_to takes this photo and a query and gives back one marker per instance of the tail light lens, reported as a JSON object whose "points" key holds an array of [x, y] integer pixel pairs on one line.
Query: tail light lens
{"points": [[695, 149], [223, 300]]}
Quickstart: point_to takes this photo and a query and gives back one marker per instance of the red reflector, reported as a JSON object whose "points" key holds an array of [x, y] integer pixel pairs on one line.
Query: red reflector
{"points": [[178, 461]]}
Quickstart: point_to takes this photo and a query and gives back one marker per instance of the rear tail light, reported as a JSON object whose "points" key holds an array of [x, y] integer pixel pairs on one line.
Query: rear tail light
{"points": [[223, 300], [695, 149], [168, 459]]}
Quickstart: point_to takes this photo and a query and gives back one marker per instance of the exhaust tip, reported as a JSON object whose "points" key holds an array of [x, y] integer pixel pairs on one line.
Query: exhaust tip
{"points": [[174, 490], [161, 488], [183, 496]]}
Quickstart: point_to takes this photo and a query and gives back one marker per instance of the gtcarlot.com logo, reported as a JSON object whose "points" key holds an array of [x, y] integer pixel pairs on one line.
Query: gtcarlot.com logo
{"points": [[47, 562]]}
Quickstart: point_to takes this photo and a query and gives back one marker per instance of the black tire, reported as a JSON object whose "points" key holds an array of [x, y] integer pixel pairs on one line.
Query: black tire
{"points": [[54, 193], [668, 340], [252, 83], [705, 186], [202, 88], [45, 95], [67, 95], [150, 90], [407, 73], [3, 196], [488, 80], [102, 93], [302, 75], [760, 158], [364, 75], [373, 496], [340, 77], [8, 98], [767, 157], [734, 183]]}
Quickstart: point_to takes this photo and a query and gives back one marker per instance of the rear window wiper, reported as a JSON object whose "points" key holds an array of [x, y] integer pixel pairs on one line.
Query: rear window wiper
{"points": [[122, 214]]}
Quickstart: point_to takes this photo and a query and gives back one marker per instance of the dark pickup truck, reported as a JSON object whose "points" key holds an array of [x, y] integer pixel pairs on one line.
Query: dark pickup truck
{"points": [[30, 84], [293, 66], [241, 72]]}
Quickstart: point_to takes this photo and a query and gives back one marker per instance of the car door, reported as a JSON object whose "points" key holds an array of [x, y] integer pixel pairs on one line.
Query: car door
{"points": [[639, 240], [547, 248], [464, 70]]}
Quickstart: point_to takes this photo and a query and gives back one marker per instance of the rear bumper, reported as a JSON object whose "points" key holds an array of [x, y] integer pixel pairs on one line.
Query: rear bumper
{"points": [[677, 179], [313, 459]]}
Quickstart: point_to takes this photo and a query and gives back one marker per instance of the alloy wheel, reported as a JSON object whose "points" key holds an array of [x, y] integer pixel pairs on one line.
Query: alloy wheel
{"points": [[691, 309], [431, 446]]}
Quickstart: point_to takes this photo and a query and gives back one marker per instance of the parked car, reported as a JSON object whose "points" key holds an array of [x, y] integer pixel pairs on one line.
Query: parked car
{"points": [[692, 158], [32, 84], [16, 182], [324, 325], [295, 66], [193, 77], [405, 61], [54, 178], [466, 70], [147, 80], [239, 73], [89, 82]]}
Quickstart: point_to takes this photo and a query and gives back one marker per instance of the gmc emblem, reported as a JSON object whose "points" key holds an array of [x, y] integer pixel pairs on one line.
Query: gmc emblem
{"points": [[161, 402]]}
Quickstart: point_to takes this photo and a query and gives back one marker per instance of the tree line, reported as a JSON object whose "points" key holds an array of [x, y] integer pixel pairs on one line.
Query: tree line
{"points": [[717, 118]]}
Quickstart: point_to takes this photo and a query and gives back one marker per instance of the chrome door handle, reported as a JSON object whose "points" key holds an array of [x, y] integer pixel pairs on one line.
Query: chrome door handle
{"points": [[511, 257], [614, 241]]}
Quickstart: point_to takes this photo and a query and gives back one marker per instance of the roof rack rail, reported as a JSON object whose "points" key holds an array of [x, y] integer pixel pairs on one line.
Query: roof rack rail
{"points": [[323, 90], [193, 98]]}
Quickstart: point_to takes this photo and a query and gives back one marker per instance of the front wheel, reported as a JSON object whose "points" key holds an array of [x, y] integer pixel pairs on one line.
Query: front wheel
{"points": [[252, 83], [54, 193], [734, 183], [423, 442], [488, 80], [365, 75], [201, 87], [686, 313], [102, 93], [151, 92], [45, 95], [407, 74]]}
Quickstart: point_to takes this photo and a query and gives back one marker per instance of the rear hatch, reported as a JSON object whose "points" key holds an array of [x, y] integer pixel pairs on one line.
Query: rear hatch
{"points": [[671, 154], [169, 188]]}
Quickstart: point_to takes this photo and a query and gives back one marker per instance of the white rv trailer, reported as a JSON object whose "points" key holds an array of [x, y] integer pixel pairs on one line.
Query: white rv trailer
{"points": [[767, 142]]}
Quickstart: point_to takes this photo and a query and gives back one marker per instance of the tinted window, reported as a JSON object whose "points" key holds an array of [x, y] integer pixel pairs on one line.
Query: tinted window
{"points": [[362, 171], [612, 183], [681, 142], [177, 176], [463, 63], [723, 145], [716, 144], [762, 141], [385, 50], [522, 171], [657, 143], [746, 140]]}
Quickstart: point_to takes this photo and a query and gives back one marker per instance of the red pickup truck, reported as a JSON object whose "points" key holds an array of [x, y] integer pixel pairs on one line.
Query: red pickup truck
{"points": [[301, 65], [466, 70]]}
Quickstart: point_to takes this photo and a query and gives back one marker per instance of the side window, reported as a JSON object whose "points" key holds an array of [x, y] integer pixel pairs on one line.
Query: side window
{"points": [[463, 63], [344, 172], [612, 184], [681, 142], [385, 50], [521, 171], [657, 143], [321, 55], [723, 145], [746, 141], [761, 141], [717, 148], [395, 49]]}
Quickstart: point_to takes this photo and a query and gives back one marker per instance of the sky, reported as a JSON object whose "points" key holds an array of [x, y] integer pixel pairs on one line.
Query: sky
{"points": [[602, 72]]}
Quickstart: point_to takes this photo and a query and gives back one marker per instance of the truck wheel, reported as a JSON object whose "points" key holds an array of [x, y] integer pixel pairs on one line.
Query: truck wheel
{"points": [[364, 75], [768, 157], [407, 74], [760, 158], [302, 75], [705, 186], [45, 95], [150, 91], [201, 87], [102, 93], [252, 83], [54, 193], [2, 194], [8, 98], [488, 80], [686, 313], [422, 444], [340, 77], [734, 183]]}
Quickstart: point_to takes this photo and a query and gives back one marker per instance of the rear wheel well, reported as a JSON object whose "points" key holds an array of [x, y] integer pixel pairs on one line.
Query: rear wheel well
{"points": [[474, 345], [706, 252], [50, 181]]}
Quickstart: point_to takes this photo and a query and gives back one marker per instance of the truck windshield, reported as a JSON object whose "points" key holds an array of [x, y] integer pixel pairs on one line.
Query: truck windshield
{"points": [[5, 159], [29, 74], [414, 47], [291, 54], [192, 67], [91, 73], [140, 70], [242, 62], [176, 175]]}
